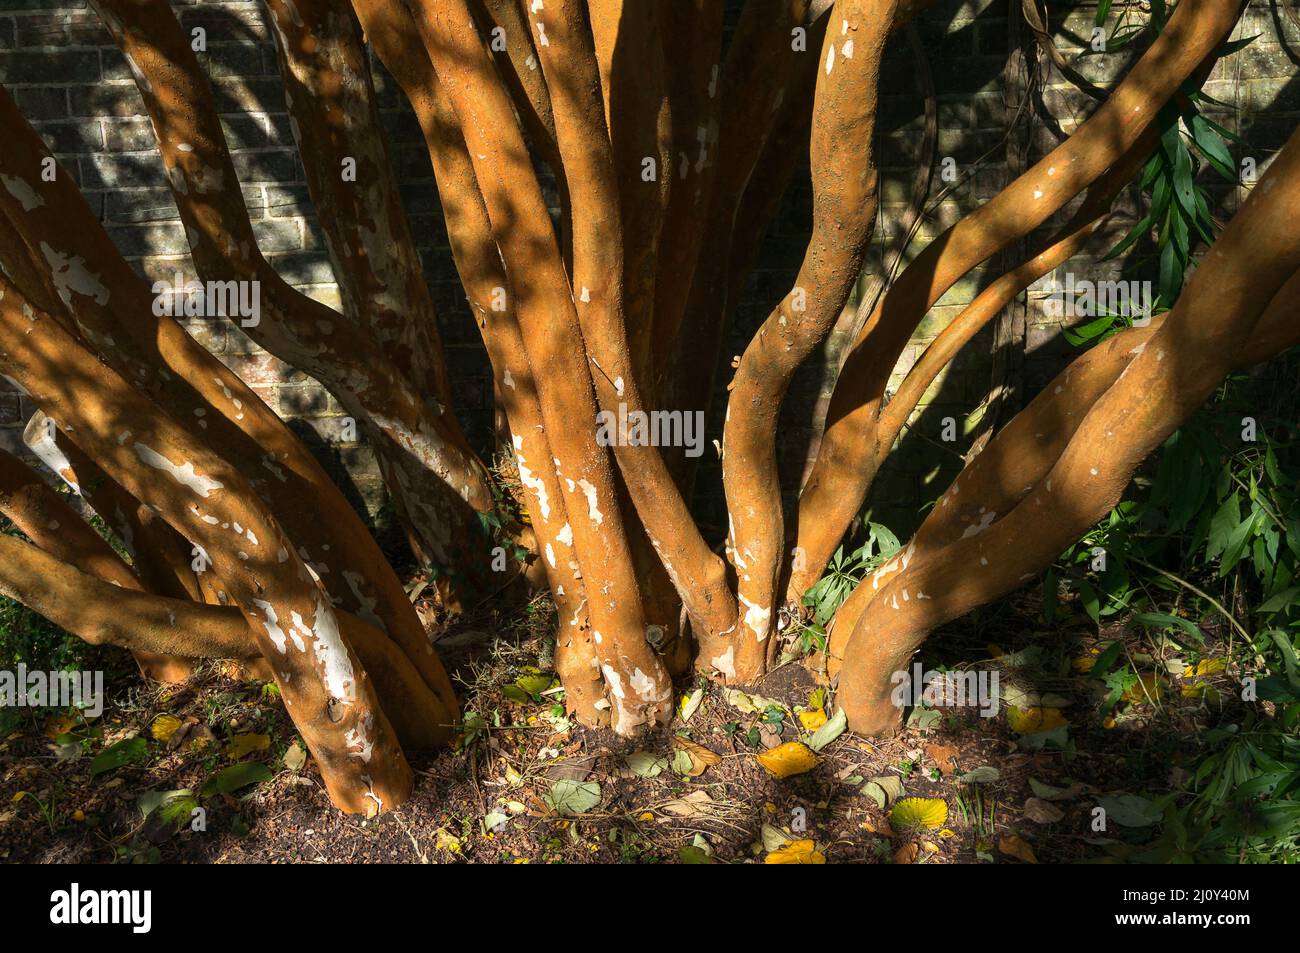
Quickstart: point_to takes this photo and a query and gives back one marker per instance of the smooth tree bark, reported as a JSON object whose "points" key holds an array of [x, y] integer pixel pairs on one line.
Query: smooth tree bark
{"points": [[602, 311]]}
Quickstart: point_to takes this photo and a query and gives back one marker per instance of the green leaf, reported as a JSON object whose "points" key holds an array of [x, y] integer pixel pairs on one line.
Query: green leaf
{"points": [[1088, 596], [1130, 810], [128, 751], [1160, 620], [1104, 662], [572, 797], [231, 779], [832, 729], [1282, 600], [690, 854], [1184, 187], [1210, 145]]}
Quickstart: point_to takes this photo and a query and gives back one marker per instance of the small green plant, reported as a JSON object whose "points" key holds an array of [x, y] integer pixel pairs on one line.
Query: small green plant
{"points": [[842, 574]]}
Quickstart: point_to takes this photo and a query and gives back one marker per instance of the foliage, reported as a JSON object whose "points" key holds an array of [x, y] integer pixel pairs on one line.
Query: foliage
{"points": [[1222, 504]]}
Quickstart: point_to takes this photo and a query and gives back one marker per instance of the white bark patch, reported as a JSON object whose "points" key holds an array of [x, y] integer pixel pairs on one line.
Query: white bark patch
{"points": [[272, 624], [612, 677], [830, 59], [618, 386], [27, 196], [534, 483], [45, 447], [299, 632], [593, 511], [365, 603], [550, 555], [976, 528], [726, 662], [758, 618], [643, 685], [182, 473], [508, 379], [565, 535], [332, 653], [69, 274], [364, 747], [846, 50]]}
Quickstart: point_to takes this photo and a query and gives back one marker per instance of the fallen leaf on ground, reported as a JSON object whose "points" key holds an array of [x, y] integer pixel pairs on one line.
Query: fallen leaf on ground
{"points": [[690, 704], [295, 757], [812, 720], [906, 854], [828, 732], [944, 757], [245, 744], [163, 727], [1027, 721], [917, 813], [796, 852], [645, 765], [787, 760], [1017, 847], [692, 759], [1042, 812], [982, 775], [695, 804], [567, 796]]}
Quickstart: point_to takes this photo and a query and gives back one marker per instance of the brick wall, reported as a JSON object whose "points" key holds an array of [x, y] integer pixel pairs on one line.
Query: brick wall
{"points": [[74, 86]]}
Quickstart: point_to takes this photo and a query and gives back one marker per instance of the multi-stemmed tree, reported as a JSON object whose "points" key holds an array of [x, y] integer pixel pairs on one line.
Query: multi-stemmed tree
{"points": [[668, 159]]}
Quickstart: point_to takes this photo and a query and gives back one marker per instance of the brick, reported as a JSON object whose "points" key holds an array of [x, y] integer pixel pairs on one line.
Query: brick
{"points": [[125, 170], [267, 165], [106, 99], [38, 103], [139, 205], [39, 67], [129, 135], [71, 136], [136, 241], [306, 400], [278, 235]]}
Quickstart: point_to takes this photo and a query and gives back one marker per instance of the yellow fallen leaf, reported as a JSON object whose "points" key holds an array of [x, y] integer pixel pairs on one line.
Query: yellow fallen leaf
{"points": [[57, 725], [931, 847], [700, 757], [1208, 666], [1028, 721], [884, 830], [915, 813], [787, 760], [1198, 691], [444, 840], [946, 833], [796, 852], [78, 815], [1147, 689], [1109, 723], [1084, 664], [245, 744], [944, 756], [295, 757], [647, 816], [163, 727], [812, 720], [1016, 847]]}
